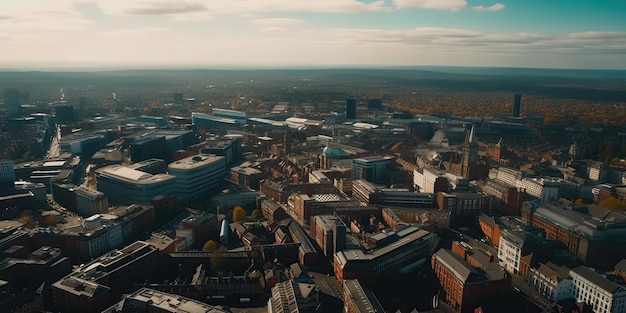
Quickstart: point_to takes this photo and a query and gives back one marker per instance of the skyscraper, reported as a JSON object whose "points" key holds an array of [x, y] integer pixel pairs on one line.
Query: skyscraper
{"points": [[517, 105], [374, 105], [12, 100], [7, 176], [351, 108]]}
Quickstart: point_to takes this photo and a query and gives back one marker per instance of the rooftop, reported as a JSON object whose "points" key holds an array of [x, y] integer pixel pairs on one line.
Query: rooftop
{"points": [[194, 162], [597, 279]]}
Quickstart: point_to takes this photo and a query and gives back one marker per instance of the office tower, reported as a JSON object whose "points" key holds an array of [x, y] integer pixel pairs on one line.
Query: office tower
{"points": [[374, 105], [517, 103], [351, 108], [7, 176], [178, 98], [12, 101], [148, 147], [64, 113], [198, 177]]}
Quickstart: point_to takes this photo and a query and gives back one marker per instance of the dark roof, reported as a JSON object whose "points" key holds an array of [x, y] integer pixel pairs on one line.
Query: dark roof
{"points": [[621, 266], [458, 266], [597, 279]]}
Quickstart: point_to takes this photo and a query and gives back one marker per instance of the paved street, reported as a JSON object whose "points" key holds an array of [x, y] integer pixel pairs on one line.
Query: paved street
{"points": [[530, 293]]}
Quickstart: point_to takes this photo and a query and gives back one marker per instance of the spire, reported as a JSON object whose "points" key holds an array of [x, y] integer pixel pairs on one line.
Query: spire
{"points": [[471, 135]]}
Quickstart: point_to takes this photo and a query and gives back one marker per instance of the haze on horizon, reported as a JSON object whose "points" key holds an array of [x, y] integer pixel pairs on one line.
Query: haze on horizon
{"points": [[55, 34]]}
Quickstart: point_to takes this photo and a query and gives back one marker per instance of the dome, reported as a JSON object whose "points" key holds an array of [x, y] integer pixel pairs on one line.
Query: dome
{"points": [[333, 152]]}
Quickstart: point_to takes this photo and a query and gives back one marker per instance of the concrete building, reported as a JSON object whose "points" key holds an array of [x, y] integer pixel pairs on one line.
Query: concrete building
{"points": [[124, 185], [358, 299], [291, 296], [429, 180], [306, 206], [90, 201], [508, 199], [7, 177], [198, 177], [370, 193], [591, 233], [602, 294], [552, 281], [148, 147], [330, 233], [372, 169], [100, 283], [404, 248], [153, 301], [464, 287]]}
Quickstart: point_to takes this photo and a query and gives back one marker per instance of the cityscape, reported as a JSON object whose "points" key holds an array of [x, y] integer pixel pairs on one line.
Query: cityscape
{"points": [[307, 160]]}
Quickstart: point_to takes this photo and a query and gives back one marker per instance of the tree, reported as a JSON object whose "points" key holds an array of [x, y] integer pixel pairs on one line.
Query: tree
{"points": [[255, 214], [25, 219], [210, 246], [217, 262], [579, 202], [51, 220], [239, 214]]}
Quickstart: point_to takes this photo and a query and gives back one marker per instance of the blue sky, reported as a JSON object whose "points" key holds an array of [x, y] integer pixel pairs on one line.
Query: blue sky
{"points": [[38, 34]]}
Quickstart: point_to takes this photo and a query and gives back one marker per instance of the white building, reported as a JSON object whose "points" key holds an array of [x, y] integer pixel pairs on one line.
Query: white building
{"points": [[540, 188], [510, 250], [124, 185], [90, 201], [198, 177], [552, 281], [426, 180], [598, 172], [598, 291]]}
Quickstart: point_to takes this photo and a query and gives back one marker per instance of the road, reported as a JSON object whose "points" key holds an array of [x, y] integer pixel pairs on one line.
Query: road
{"points": [[531, 294]]}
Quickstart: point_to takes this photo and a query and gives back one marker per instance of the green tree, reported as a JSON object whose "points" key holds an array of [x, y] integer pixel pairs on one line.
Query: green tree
{"points": [[210, 246], [239, 214]]}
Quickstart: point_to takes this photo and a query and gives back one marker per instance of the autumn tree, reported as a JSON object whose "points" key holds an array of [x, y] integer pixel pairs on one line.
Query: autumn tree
{"points": [[239, 214], [210, 246], [255, 214], [579, 202], [612, 203]]}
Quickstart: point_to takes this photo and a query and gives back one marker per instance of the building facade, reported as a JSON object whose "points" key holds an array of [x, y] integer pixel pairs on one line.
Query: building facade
{"points": [[198, 177]]}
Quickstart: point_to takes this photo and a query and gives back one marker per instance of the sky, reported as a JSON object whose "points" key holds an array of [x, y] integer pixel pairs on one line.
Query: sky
{"points": [[41, 34]]}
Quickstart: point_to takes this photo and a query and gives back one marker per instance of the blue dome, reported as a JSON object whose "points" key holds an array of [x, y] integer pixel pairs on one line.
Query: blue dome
{"points": [[333, 152]]}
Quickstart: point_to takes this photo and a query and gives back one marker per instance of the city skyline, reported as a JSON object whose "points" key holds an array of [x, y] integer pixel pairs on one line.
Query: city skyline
{"points": [[302, 33]]}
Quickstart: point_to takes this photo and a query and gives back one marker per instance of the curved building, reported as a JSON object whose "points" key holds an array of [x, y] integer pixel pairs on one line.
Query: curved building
{"points": [[124, 185], [198, 177]]}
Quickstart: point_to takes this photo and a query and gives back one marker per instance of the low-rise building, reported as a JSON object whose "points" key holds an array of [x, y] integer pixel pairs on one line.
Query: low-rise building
{"points": [[358, 299], [153, 301], [124, 185], [464, 287], [406, 247], [552, 281], [602, 294]]}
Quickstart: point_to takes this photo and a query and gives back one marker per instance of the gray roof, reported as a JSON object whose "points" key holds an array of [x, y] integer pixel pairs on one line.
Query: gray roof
{"points": [[461, 270], [621, 266], [597, 279]]}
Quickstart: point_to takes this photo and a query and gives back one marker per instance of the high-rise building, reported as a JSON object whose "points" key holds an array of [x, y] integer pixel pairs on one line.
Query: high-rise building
{"points": [[198, 177], [517, 105], [12, 100], [64, 113], [372, 169], [351, 108], [374, 105], [178, 98], [148, 147], [7, 176]]}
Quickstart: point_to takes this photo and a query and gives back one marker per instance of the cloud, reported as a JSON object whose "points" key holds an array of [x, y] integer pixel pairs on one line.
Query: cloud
{"points": [[272, 29], [177, 9], [495, 7], [28, 18], [448, 5], [276, 21], [139, 31]]}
